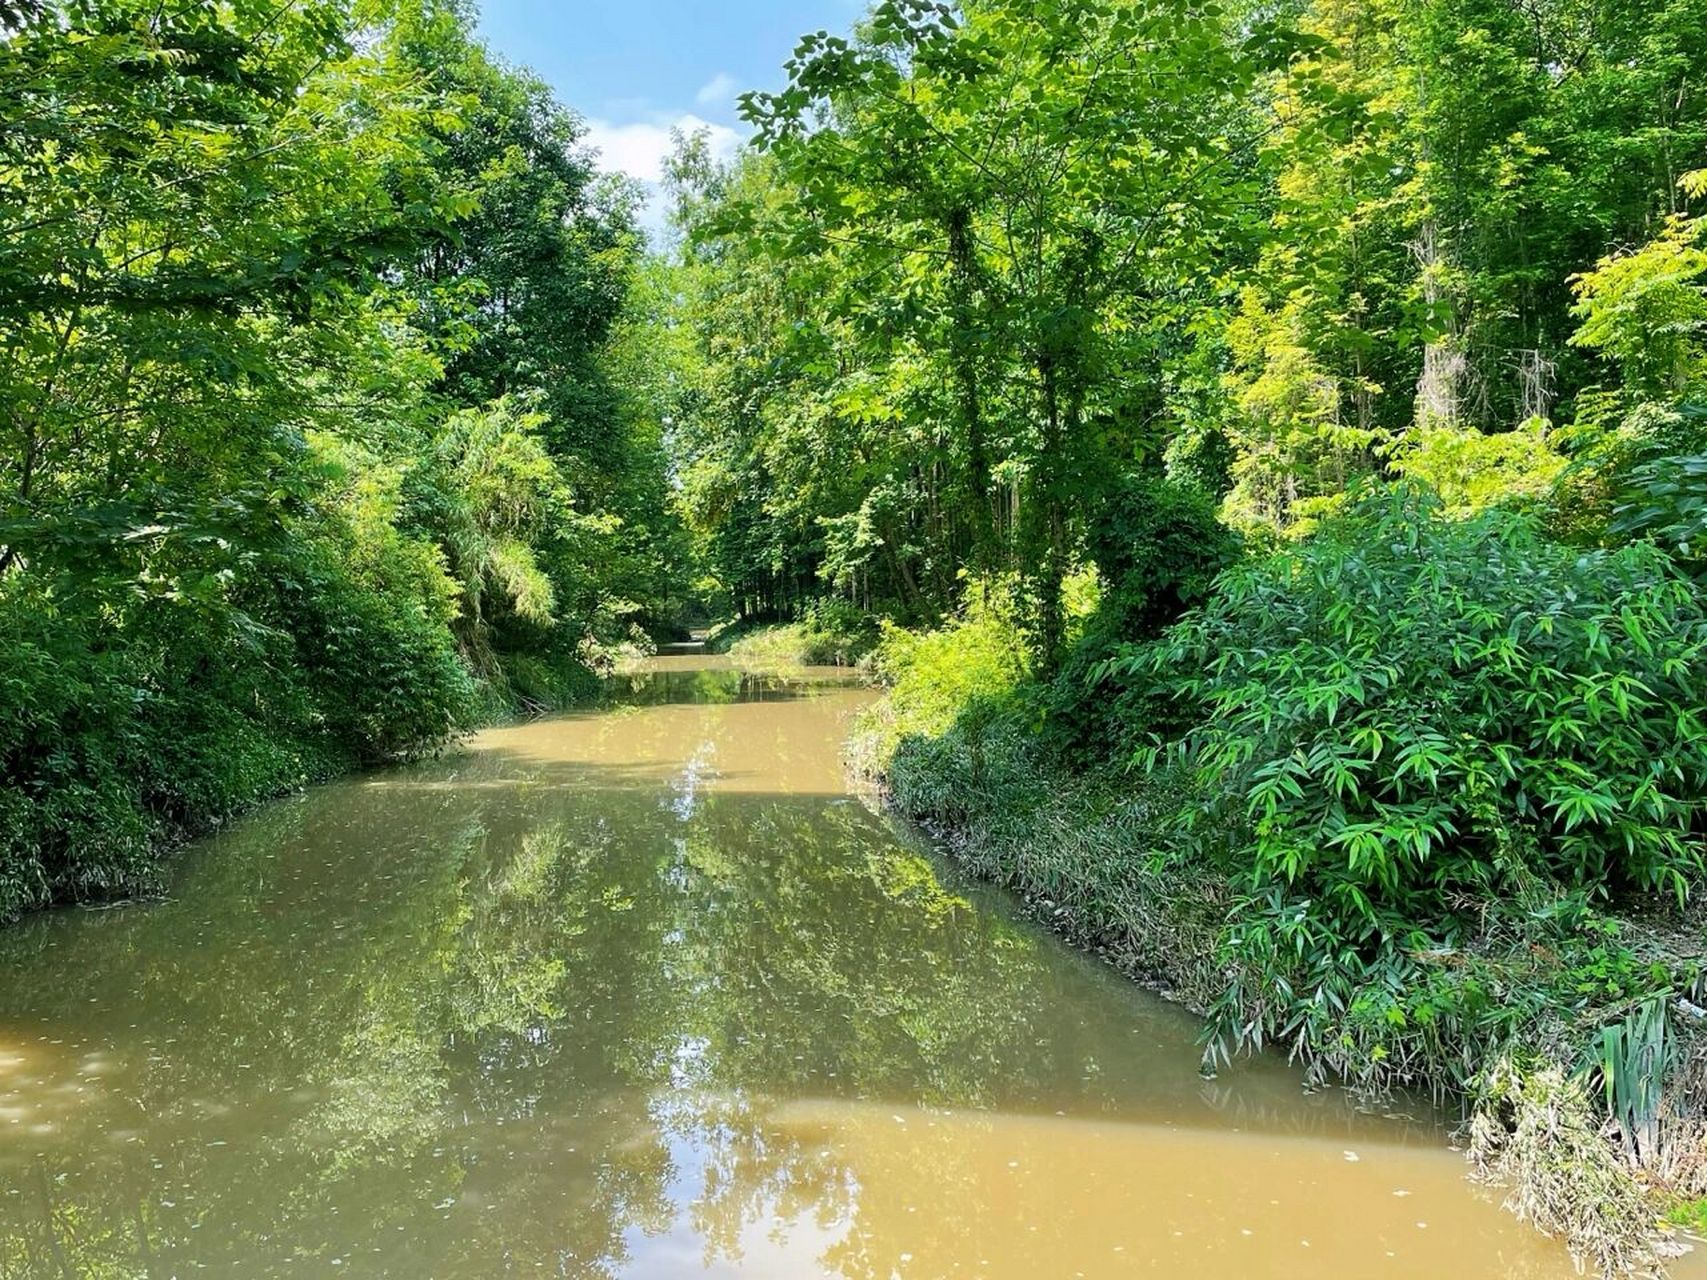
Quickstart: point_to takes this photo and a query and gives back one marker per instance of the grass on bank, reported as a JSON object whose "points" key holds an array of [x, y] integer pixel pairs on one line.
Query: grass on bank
{"points": [[1689, 1215], [828, 633]]}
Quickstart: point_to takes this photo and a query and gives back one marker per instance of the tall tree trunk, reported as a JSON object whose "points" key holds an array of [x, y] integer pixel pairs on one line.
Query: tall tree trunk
{"points": [[1052, 522], [1439, 388], [964, 352]]}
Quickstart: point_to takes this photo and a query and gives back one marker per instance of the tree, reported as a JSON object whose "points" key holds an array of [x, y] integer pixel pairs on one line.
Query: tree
{"points": [[1028, 185]]}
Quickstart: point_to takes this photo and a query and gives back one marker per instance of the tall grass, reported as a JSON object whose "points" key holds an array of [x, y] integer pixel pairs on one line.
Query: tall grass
{"points": [[827, 633]]}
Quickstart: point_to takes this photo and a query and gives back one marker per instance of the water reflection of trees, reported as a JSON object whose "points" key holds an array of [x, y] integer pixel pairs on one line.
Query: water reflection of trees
{"points": [[425, 1022], [719, 685]]}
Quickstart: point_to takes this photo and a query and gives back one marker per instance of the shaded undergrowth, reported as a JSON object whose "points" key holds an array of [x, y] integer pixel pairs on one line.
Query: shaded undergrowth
{"points": [[827, 633]]}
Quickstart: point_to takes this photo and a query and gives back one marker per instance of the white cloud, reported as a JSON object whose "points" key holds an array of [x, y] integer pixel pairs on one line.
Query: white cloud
{"points": [[719, 91], [639, 148]]}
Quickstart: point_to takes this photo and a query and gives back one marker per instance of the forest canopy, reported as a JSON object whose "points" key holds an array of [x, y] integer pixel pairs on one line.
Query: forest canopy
{"points": [[986, 260]]}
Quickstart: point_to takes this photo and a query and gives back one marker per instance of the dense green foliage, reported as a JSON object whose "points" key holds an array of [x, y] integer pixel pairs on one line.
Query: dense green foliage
{"points": [[1406, 705], [316, 438], [993, 259], [828, 632], [1408, 721]]}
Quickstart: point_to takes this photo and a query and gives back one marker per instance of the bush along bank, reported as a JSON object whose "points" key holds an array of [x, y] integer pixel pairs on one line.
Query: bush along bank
{"points": [[1416, 801], [130, 725], [824, 633]]}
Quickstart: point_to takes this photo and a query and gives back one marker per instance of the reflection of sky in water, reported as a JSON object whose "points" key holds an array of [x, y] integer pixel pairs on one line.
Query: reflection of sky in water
{"points": [[641, 993], [767, 1243], [685, 787]]}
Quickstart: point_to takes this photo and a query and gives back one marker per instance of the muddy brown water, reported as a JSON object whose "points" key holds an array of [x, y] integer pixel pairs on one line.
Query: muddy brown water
{"points": [[645, 993]]}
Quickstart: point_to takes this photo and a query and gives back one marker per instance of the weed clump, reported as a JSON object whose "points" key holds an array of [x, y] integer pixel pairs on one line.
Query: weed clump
{"points": [[1536, 1133]]}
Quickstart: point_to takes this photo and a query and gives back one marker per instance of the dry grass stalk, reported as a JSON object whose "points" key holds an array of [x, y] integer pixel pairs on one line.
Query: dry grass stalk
{"points": [[1536, 1134]]}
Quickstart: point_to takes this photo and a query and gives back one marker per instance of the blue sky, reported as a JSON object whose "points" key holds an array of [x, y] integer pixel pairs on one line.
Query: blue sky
{"points": [[635, 68]]}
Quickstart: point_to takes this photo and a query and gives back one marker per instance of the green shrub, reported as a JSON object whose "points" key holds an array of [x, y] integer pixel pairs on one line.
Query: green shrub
{"points": [[827, 632], [976, 659], [1665, 501], [1201, 457], [1472, 470], [1420, 741], [146, 699], [372, 643], [836, 632], [1691, 1215], [963, 675], [1158, 547], [774, 644], [553, 677], [1409, 707], [67, 708]]}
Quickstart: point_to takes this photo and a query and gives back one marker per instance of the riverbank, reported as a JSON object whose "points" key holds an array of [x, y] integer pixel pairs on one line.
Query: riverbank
{"points": [[103, 796], [1090, 852], [828, 633]]}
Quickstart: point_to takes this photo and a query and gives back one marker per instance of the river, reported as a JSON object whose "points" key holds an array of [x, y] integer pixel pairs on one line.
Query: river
{"points": [[643, 992]]}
